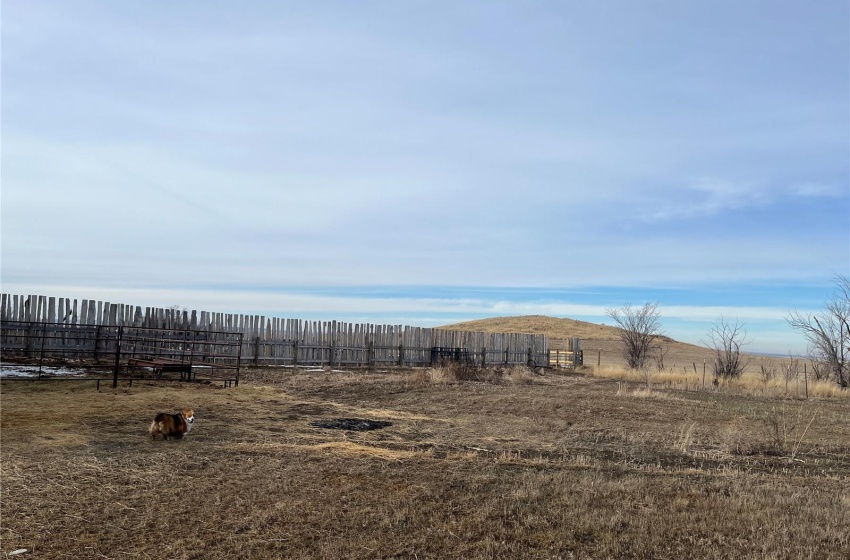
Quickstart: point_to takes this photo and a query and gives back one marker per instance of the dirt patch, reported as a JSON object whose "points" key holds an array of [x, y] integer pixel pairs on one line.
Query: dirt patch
{"points": [[351, 424]]}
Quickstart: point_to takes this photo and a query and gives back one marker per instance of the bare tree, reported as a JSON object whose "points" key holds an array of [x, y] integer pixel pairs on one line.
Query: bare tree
{"points": [[639, 328], [661, 351], [820, 370], [726, 339], [767, 370], [790, 369], [828, 332]]}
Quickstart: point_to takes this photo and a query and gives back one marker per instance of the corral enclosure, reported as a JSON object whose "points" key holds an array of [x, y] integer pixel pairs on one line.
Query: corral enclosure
{"points": [[279, 341]]}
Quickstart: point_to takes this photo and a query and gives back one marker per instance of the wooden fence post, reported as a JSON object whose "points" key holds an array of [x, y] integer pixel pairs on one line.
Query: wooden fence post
{"points": [[96, 342], [806, 378]]}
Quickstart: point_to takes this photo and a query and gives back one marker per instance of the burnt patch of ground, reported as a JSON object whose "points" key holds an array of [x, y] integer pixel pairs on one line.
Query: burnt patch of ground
{"points": [[351, 424]]}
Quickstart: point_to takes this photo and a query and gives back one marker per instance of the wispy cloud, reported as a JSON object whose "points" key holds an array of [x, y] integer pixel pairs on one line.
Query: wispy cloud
{"points": [[291, 144], [818, 190]]}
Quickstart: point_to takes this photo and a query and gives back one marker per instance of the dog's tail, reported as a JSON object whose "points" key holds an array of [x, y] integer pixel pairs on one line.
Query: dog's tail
{"points": [[157, 426]]}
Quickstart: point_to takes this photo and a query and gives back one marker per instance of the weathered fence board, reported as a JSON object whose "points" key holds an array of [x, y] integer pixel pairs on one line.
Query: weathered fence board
{"points": [[278, 341]]}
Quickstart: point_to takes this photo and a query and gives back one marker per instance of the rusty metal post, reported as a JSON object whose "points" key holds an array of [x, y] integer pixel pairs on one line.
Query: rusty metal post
{"points": [[117, 358], [41, 352], [238, 358]]}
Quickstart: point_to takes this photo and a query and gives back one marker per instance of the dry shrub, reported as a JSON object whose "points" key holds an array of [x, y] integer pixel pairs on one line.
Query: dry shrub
{"points": [[421, 376], [441, 375], [736, 437], [618, 373], [668, 378], [451, 373], [674, 378], [777, 387], [645, 393], [748, 384], [827, 389], [518, 375], [642, 392], [786, 429], [779, 431], [686, 436]]}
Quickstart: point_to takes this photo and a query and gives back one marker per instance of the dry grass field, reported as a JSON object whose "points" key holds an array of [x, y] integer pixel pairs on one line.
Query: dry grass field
{"points": [[514, 465]]}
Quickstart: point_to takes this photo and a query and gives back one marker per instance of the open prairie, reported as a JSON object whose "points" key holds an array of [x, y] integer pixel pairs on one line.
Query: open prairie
{"points": [[518, 465]]}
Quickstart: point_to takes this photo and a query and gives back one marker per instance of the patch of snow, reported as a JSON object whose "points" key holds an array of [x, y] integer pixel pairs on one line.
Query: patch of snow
{"points": [[21, 370]]}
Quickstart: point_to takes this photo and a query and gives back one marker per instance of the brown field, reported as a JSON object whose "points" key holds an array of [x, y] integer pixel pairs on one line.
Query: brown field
{"points": [[520, 465]]}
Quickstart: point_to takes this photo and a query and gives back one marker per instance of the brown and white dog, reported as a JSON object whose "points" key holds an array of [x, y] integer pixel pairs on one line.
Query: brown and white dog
{"points": [[173, 425]]}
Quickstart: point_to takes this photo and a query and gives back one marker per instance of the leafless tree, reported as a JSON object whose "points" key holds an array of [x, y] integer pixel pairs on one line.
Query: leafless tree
{"points": [[726, 339], [661, 351], [639, 328], [767, 370], [820, 370], [828, 332], [790, 369]]}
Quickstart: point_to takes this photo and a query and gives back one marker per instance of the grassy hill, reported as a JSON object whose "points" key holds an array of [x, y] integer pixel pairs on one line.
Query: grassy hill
{"points": [[601, 343], [553, 327]]}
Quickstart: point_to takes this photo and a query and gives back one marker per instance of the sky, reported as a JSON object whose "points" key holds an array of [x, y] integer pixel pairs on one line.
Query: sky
{"points": [[430, 162]]}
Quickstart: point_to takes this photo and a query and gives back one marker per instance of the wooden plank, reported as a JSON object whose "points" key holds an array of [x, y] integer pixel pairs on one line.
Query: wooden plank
{"points": [[351, 341]]}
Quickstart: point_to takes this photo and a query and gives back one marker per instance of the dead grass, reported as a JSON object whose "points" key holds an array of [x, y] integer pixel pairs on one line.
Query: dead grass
{"points": [[748, 384], [452, 373], [559, 467]]}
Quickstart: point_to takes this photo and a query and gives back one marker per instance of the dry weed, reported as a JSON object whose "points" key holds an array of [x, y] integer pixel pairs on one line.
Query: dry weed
{"points": [[749, 384], [736, 437], [686, 434], [786, 430], [452, 373]]}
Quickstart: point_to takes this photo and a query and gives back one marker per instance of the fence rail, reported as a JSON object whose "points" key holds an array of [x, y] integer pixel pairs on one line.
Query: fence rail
{"points": [[125, 351], [279, 341]]}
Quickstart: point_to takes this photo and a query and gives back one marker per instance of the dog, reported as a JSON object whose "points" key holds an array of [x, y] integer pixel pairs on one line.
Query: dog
{"points": [[172, 425]]}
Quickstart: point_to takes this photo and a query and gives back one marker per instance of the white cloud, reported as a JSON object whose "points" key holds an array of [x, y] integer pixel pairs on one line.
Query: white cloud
{"points": [[817, 190]]}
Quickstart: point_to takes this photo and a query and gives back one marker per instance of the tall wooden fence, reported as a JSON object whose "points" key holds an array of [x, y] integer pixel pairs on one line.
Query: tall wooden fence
{"points": [[278, 341]]}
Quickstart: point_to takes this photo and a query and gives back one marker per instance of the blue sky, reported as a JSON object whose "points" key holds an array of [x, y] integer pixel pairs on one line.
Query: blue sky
{"points": [[425, 163]]}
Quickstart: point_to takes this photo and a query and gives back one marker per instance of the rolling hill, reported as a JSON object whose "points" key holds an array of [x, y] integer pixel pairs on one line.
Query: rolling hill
{"points": [[601, 343], [553, 327]]}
